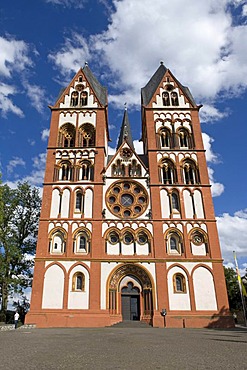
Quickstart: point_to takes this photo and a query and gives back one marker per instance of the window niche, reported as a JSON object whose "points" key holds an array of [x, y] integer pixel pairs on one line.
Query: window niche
{"points": [[81, 242], [78, 282], [57, 243], [174, 243], [179, 283], [190, 172]]}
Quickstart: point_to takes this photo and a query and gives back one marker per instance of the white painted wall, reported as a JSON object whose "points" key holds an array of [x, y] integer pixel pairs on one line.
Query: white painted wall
{"points": [[188, 204], [198, 204], [88, 207], [204, 289], [55, 203], [65, 203], [165, 208], [53, 288], [178, 301]]}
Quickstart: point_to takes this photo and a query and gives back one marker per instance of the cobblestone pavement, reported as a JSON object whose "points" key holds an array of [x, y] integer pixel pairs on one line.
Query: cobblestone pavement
{"points": [[123, 348]]}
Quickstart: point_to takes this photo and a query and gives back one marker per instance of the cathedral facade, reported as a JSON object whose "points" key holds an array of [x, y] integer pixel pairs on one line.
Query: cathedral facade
{"points": [[127, 236]]}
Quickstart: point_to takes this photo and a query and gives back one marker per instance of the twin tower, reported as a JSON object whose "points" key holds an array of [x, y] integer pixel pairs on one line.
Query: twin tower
{"points": [[127, 236]]}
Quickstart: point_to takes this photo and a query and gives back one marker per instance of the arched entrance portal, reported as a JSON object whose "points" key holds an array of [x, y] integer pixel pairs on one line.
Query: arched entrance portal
{"points": [[131, 293]]}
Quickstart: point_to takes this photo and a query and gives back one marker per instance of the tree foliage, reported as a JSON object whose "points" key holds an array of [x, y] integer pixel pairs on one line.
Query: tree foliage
{"points": [[233, 291], [19, 215]]}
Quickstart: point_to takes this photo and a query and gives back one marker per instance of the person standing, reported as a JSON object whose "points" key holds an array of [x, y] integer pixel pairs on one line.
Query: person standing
{"points": [[16, 318]]}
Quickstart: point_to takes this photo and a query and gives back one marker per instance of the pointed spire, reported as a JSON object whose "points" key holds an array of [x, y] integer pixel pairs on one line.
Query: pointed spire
{"points": [[125, 133]]}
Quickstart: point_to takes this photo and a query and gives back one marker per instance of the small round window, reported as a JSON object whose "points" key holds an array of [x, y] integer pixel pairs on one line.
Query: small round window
{"points": [[128, 238]]}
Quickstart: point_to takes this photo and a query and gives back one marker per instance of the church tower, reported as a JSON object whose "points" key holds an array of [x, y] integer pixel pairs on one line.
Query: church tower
{"points": [[127, 236]]}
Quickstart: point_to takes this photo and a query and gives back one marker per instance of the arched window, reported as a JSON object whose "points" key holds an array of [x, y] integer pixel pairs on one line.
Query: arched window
{"points": [[168, 172], [57, 242], [74, 99], [66, 171], [82, 242], [179, 283], [190, 171], [79, 201], [86, 135], [78, 282], [128, 238], [165, 138], [185, 139], [175, 201], [86, 171], [83, 99], [118, 169], [113, 237], [166, 99], [174, 243], [134, 169], [142, 238], [66, 137], [174, 99]]}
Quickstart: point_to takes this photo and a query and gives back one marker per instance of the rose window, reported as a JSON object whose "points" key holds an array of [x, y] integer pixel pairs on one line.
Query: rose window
{"points": [[127, 199]]}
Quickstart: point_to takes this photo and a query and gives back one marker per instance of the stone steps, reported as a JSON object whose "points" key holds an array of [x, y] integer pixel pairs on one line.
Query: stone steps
{"points": [[131, 324]]}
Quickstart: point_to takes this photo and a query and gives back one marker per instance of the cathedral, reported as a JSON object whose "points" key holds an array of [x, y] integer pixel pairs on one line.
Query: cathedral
{"points": [[127, 236]]}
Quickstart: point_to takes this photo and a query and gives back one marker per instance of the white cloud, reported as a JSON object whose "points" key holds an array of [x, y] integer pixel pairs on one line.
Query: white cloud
{"points": [[13, 163], [36, 176], [69, 3], [6, 104], [217, 188], [72, 56], [207, 142], [197, 40], [36, 95], [138, 145], [13, 56], [210, 114], [233, 234], [45, 134]]}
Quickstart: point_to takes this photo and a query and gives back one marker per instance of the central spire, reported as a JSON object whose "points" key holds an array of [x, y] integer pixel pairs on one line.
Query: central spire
{"points": [[125, 133]]}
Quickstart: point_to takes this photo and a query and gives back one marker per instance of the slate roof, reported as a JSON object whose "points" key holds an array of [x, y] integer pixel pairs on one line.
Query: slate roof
{"points": [[148, 91], [100, 91], [125, 133]]}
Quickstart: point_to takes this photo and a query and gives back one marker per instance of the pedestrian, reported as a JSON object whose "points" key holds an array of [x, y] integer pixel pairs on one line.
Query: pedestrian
{"points": [[16, 318], [235, 317]]}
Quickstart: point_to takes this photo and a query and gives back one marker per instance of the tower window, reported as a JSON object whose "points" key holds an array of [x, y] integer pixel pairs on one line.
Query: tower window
{"points": [[78, 201], [174, 245], [81, 242], [66, 136], [174, 99], [86, 137], [168, 172], [175, 201], [191, 174], [166, 99]]}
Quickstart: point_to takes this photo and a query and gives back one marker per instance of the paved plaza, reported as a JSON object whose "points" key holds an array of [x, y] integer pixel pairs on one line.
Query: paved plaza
{"points": [[123, 348]]}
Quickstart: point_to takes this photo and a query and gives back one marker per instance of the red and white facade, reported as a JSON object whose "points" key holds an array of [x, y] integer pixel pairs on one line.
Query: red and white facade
{"points": [[127, 237]]}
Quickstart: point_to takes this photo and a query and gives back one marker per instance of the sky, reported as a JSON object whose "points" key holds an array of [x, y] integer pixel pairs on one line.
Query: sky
{"points": [[43, 43]]}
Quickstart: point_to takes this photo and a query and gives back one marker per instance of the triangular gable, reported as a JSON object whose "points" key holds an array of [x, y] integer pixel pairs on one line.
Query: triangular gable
{"points": [[158, 81], [96, 89], [120, 155]]}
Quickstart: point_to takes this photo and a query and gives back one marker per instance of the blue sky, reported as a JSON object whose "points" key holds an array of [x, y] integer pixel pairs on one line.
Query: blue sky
{"points": [[44, 42]]}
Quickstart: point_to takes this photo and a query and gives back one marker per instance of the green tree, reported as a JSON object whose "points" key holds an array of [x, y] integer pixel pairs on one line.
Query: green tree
{"points": [[232, 286], [19, 215]]}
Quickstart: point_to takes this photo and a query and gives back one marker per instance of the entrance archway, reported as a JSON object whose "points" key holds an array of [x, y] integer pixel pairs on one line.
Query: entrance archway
{"points": [[130, 302], [131, 293]]}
